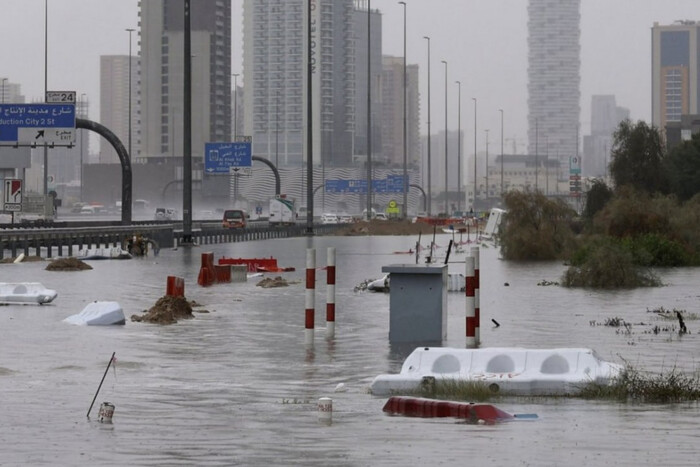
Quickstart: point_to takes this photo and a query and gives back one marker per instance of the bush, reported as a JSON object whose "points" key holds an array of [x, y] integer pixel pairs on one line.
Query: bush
{"points": [[605, 264]]}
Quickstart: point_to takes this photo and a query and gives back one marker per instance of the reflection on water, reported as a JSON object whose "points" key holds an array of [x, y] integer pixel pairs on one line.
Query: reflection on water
{"points": [[237, 385]]}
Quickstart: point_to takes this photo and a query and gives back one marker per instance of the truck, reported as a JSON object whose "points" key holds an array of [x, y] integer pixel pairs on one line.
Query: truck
{"points": [[282, 211]]}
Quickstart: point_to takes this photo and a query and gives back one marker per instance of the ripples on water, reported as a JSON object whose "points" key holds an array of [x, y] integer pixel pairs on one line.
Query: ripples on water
{"points": [[236, 386]]}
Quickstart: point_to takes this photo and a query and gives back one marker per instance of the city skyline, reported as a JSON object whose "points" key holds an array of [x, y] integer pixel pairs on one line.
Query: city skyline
{"points": [[484, 42]]}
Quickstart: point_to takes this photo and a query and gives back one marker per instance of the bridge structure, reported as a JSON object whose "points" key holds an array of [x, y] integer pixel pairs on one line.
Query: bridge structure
{"points": [[68, 240]]}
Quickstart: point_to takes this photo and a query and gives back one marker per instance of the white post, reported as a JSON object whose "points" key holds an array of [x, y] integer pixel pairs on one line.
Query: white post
{"points": [[330, 293], [310, 291]]}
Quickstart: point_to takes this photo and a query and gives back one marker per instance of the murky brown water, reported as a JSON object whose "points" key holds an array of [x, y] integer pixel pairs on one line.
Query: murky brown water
{"points": [[237, 386]]}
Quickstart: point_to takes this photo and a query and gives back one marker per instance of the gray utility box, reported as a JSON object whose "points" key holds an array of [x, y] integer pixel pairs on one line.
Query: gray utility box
{"points": [[417, 302]]}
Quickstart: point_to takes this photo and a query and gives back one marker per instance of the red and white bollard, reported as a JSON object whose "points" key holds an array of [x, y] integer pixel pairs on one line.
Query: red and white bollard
{"points": [[470, 289], [330, 293], [310, 292], [477, 310]]}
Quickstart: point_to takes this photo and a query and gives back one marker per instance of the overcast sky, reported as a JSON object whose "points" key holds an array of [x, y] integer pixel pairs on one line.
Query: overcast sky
{"points": [[483, 41]]}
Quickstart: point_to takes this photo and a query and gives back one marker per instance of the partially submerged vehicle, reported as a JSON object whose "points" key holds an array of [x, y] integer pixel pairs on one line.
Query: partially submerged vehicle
{"points": [[25, 293], [99, 314]]}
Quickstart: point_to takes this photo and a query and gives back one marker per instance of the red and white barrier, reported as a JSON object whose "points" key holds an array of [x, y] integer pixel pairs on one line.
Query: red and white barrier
{"points": [[477, 306], [470, 289], [175, 287], [310, 299], [330, 293]]}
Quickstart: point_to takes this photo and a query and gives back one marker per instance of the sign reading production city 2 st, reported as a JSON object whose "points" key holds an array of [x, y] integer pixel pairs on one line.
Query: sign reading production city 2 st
{"points": [[219, 158], [36, 124]]}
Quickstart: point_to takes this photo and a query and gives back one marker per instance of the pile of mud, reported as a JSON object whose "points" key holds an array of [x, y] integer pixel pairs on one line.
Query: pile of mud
{"points": [[67, 264], [269, 282], [167, 310]]}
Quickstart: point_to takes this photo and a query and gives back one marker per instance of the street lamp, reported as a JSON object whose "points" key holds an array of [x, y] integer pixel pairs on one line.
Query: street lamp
{"points": [[501, 110], [537, 162], [430, 194], [446, 167], [130, 30], [459, 145], [474, 99], [405, 169], [82, 143], [487, 165], [235, 105], [369, 112]]}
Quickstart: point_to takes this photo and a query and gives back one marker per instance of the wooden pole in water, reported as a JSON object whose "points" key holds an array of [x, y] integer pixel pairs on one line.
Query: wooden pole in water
{"points": [[100, 386]]}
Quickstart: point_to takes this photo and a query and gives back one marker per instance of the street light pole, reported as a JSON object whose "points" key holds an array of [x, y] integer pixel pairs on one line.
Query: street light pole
{"points": [[459, 145], [487, 165], [501, 110], [369, 111], [447, 191], [474, 203], [129, 30], [405, 169], [82, 143], [537, 162], [430, 194], [235, 105], [46, 87]]}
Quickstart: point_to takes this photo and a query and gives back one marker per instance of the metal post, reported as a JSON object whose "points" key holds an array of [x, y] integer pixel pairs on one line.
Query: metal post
{"points": [[430, 193], [130, 30], [187, 133], [235, 105], [369, 112], [309, 128], [405, 149], [46, 87], [501, 110], [447, 191], [537, 162], [459, 146], [474, 207], [486, 193], [82, 144]]}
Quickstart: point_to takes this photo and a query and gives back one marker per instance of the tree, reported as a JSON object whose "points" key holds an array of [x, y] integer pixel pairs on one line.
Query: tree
{"points": [[638, 158], [683, 169], [596, 198]]}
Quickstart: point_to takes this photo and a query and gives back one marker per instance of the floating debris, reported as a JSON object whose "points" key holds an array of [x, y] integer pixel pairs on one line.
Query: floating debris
{"points": [[545, 283], [269, 282]]}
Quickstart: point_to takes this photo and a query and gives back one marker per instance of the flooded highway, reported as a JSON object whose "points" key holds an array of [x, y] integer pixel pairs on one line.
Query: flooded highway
{"points": [[237, 386]]}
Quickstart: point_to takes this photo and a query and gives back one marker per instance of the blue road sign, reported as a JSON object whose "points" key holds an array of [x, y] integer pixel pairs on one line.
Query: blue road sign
{"points": [[220, 158], [337, 186], [31, 123], [394, 183]]}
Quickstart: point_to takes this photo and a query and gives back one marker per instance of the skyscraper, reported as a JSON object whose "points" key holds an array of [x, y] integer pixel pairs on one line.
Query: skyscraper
{"points": [[554, 77], [274, 76], [605, 117], [675, 77], [114, 104], [162, 69], [392, 112]]}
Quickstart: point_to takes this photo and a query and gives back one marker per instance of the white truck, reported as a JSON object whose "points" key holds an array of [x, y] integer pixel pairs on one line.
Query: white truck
{"points": [[282, 211]]}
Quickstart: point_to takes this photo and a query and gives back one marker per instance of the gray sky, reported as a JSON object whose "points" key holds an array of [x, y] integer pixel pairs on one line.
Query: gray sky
{"points": [[483, 41]]}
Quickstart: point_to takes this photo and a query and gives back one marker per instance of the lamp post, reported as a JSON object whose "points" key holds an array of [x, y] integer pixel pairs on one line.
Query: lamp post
{"points": [[369, 112], [4, 81], [537, 162], [447, 191], [430, 194], [405, 146], [501, 110], [129, 30], [459, 145], [235, 105], [82, 143], [46, 87], [474, 99], [486, 196]]}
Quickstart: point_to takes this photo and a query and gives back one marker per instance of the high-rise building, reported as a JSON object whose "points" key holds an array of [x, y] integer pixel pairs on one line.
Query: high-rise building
{"points": [[392, 119], [162, 75], [275, 73], [10, 92], [605, 117], [675, 75], [554, 76], [114, 104]]}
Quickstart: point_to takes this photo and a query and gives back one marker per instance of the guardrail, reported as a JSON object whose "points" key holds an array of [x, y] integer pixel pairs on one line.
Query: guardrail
{"points": [[48, 242]]}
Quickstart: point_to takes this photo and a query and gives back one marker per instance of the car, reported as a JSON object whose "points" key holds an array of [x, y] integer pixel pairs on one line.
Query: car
{"points": [[380, 216], [163, 214], [329, 218], [234, 219], [345, 218]]}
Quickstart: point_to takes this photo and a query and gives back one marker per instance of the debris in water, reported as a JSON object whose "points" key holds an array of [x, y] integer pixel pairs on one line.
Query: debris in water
{"points": [[167, 310], [269, 282], [67, 264]]}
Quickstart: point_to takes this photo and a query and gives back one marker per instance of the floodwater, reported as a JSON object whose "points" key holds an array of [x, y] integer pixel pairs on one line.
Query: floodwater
{"points": [[237, 386]]}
